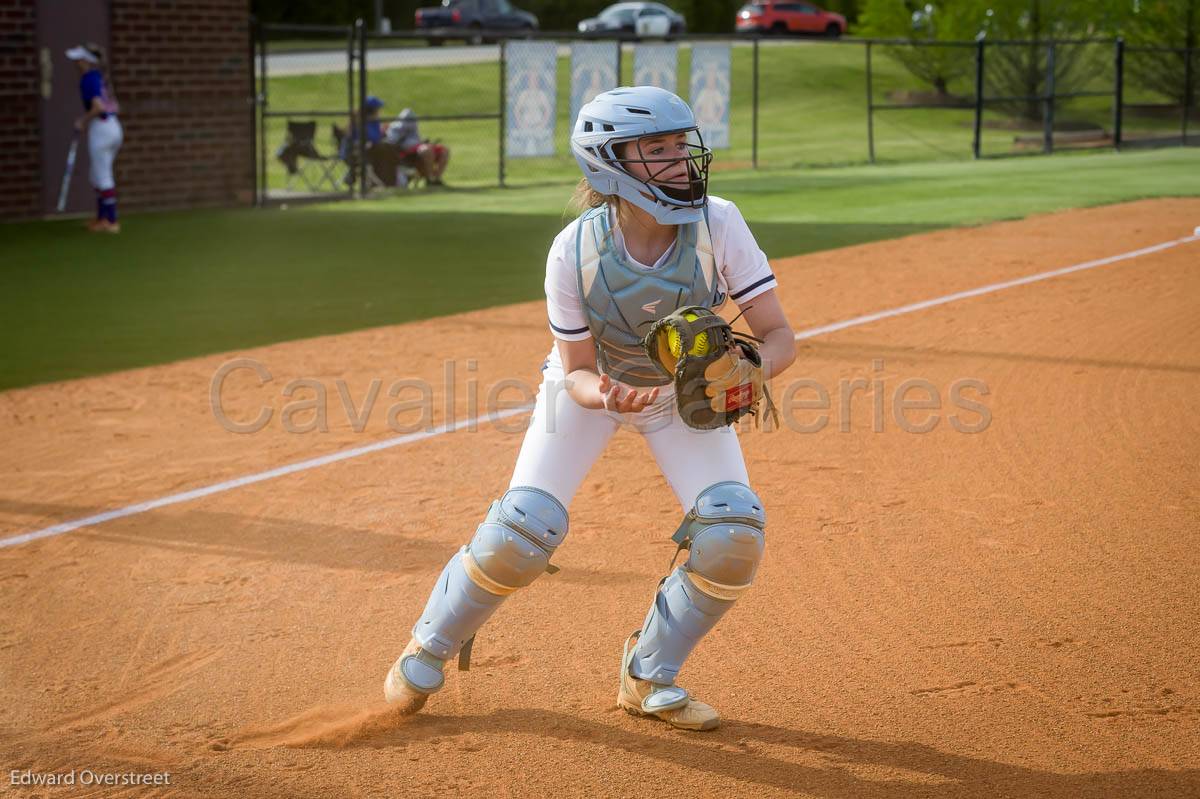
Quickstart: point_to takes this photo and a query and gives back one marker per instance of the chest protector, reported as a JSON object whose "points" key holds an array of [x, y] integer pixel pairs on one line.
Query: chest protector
{"points": [[622, 300]]}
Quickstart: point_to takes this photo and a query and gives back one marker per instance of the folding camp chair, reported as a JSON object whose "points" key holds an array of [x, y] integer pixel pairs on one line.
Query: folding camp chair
{"points": [[300, 156]]}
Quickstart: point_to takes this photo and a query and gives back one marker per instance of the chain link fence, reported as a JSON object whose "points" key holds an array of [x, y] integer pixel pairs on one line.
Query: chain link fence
{"points": [[307, 93], [921, 100], [790, 103], [1041, 96], [450, 93], [1161, 96]]}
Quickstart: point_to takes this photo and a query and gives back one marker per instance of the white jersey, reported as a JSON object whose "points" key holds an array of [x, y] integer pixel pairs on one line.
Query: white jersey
{"points": [[742, 269]]}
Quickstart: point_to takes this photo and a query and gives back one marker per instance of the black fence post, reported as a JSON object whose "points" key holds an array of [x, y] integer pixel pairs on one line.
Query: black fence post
{"points": [[870, 110], [1189, 76], [350, 59], [360, 29], [263, 99], [504, 101], [1048, 112], [754, 112], [255, 35], [978, 97], [1118, 93]]}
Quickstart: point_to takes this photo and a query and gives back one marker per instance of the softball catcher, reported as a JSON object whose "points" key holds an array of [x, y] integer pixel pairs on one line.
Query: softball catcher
{"points": [[632, 287]]}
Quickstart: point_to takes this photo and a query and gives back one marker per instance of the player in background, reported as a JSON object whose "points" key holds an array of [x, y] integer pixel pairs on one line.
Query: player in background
{"points": [[104, 134], [650, 240]]}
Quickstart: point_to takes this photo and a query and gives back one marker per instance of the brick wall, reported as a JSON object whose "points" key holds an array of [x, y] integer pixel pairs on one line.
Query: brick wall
{"points": [[20, 152], [181, 73]]}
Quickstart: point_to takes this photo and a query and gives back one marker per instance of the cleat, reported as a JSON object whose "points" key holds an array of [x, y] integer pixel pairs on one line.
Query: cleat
{"points": [[413, 677], [670, 703]]}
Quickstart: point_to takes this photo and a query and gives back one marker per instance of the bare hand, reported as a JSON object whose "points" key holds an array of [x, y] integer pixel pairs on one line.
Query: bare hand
{"points": [[615, 399], [79, 124]]}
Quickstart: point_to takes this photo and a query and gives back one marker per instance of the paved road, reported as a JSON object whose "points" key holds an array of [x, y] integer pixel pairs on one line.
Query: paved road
{"points": [[321, 62], [318, 62]]}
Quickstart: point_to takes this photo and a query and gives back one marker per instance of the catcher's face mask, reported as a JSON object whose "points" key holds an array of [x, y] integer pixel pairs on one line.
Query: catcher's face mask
{"points": [[675, 163]]}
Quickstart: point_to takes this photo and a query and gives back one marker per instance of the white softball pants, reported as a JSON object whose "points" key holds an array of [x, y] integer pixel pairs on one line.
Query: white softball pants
{"points": [[564, 440], [104, 139]]}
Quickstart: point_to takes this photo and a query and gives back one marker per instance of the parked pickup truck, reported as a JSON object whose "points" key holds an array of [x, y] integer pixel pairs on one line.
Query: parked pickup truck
{"points": [[472, 19]]}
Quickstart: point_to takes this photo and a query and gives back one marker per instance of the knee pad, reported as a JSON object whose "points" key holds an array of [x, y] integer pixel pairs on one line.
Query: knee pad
{"points": [[725, 537], [509, 550], [514, 544], [724, 533]]}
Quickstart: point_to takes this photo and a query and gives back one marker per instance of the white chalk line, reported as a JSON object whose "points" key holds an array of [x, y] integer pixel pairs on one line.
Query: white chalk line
{"points": [[988, 289], [216, 488], [324, 460]]}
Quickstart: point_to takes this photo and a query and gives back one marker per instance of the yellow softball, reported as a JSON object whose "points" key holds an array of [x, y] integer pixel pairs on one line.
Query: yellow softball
{"points": [[699, 346]]}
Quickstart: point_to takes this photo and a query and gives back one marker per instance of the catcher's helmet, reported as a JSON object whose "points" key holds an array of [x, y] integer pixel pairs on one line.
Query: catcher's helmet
{"points": [[628, 114]]}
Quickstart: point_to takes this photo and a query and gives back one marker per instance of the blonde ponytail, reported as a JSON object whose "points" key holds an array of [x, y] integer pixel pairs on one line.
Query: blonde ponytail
{"points": [[585, 197]]}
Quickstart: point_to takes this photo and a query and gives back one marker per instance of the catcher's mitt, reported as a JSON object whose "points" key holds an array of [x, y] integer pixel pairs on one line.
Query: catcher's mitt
{"points": [[717, 373]]}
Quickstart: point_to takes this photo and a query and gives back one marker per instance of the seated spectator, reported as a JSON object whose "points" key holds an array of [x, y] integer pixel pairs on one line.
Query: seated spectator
{"points": [[374, 128], [428, 158], [394, 146]]}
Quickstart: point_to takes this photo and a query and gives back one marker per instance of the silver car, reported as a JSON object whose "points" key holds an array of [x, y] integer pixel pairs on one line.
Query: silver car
{"points": [[640, 19]]}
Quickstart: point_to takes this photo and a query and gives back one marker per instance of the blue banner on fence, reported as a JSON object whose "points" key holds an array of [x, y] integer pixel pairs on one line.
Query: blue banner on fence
{"points": [[530, 97], [593, 70], [655, 65], [709, 92]]}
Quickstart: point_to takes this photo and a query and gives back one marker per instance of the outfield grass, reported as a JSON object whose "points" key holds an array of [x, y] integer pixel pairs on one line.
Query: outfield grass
{"points": [[175, 285], [941, 194], [812, 111]]}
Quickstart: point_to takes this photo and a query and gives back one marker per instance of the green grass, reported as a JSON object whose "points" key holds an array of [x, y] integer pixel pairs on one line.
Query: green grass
{"points": [[182, 284], [941, 194], [812, 111]]}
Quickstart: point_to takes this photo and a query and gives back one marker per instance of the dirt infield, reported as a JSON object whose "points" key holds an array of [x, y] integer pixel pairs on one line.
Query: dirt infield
{"points": [[1005, 612]]}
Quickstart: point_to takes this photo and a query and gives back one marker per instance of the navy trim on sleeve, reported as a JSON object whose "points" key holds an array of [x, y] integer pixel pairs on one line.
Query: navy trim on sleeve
{"points": [[751, 287], [566, 332]]}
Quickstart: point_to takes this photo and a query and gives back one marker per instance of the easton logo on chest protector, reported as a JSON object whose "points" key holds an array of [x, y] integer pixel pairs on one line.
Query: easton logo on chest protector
{"points": [[622, 300]]}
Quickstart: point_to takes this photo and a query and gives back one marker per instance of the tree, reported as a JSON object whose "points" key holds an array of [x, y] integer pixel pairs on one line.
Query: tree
{"points": [[1163, 24], [311, 12], [1020, 70], [941, 21]]}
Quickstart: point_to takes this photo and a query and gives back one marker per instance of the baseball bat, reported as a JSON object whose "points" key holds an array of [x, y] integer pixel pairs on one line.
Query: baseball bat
{"points": [[66, 181]]}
